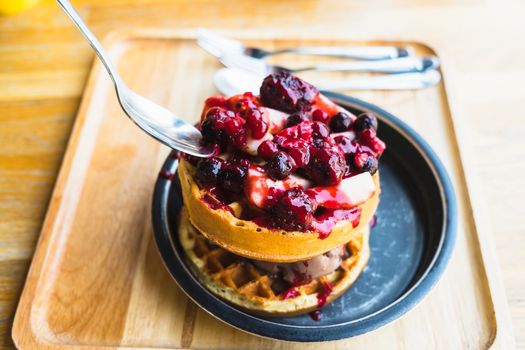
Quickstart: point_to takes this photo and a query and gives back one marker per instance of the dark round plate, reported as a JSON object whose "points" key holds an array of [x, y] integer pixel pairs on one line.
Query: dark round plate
{"points": [[410, 245]]}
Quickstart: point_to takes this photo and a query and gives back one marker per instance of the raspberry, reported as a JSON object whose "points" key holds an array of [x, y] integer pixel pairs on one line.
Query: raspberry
{"points": [[300, 155], [320, 116], [216, 101], [287, 93], [293, 211], [327, 166], [369, 139], [256, 124], [365, 162], [243, 103], [266, 149], [360, 159], [320, 130], [221, 126]]}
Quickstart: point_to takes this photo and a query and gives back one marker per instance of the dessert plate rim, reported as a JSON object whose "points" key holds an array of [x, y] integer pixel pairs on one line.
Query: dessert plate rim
{"points": [[265, 327]]}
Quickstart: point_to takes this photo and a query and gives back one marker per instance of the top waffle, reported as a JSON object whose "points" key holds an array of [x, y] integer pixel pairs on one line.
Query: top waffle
{"points": [[293, 176]]}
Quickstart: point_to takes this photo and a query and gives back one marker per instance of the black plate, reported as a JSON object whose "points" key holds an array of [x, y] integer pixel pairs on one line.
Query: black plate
{"points": [[410, 245]]}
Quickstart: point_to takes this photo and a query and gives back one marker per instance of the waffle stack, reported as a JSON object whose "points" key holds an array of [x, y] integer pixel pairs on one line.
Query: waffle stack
{"points": [[277, 221], [238, 281]]}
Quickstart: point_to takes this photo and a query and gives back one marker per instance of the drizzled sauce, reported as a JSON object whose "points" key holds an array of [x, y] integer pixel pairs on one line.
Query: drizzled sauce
{"points": [[326, 220], [214, 203], [322, 296], [316, 315], [166, 174], [289, 293]]}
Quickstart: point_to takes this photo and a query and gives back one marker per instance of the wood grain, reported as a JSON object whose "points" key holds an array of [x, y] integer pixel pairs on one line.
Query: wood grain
{"points": [[44, 63], [97, 280]]}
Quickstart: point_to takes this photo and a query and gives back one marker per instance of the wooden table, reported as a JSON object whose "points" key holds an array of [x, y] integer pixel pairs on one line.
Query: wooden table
{"points": [[44, 63]]}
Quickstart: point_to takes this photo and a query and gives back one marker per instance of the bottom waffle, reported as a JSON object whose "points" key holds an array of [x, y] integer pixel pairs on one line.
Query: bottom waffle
{"points": [[237, 281]]}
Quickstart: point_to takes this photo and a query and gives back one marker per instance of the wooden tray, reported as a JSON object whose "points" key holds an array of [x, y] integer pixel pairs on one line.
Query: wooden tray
{"points": [[97, 281]]}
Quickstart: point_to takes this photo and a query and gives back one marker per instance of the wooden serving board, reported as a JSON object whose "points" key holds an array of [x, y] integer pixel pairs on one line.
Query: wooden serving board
{"points": [[97, 280]]}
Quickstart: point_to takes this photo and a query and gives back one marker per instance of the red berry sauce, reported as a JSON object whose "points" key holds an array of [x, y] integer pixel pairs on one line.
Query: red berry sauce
{"points": [[302, 146], [289, 293], [316, 315], [166, 174], [325, 221], [323, 295]]}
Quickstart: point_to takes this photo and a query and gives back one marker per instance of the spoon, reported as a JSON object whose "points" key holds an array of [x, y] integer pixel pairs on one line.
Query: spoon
{"points": [[154, 119]]}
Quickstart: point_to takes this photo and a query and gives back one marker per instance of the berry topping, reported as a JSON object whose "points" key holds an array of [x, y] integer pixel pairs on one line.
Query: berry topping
{"points": [[243, 103], [217, 101], [232, 178], [255, 123], [346, 144], [320, 130], [300, 155], [340, 122], [287, 93], [296, 118], [292, 156], [365, 162], [326, 166], [364, 122], [208, 171], [320, 116], [279, 166], [212, 128], [261, 191], [294, 210], [360, 159], [301, 131], [369, 139], [323, 295], [221, 126], [289, 293], [267, 149], [235, 130], [349, 193]]}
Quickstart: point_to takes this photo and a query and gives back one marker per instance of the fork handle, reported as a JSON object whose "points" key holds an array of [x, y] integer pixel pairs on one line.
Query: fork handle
{"points": [[403, 81], [356, 52], [93, 41], [397, 65]]}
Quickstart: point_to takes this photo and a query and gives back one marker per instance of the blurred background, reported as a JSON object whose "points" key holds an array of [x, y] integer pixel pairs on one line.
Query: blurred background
{"points": [[44, 64]]}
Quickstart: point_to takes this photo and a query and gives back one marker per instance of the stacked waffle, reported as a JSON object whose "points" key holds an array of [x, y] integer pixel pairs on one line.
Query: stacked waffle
{"points": [[277, 222]]}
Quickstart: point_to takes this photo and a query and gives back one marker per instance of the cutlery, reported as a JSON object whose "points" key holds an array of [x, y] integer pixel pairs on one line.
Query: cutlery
{"points": [[154, 119], [231, 81], [217, 45], [396, 65]]}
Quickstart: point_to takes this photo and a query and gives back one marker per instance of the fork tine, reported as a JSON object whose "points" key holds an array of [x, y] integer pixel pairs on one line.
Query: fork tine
{"points": [[210, 47], [243, 62], [220, 42]]}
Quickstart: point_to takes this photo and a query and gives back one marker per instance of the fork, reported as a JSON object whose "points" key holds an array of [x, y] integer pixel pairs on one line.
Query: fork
{"points": [[217, 45], [154, 119], [397, 65], [232, 81]]}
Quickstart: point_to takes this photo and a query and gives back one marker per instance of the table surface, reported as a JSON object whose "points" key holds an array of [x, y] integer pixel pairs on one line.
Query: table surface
{"points": [[44, 65]]}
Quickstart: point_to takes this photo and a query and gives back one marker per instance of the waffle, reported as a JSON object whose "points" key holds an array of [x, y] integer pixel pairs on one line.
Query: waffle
{"points": [[246, 238], [236, 280]]}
